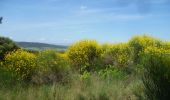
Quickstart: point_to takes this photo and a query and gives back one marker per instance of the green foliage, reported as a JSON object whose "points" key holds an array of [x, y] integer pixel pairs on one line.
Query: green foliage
{"points": [[51, 60], [6, 45], [51, 67], [112, 73], [156, 78], [7, 80], [85, 75], [20, 63], [83, 54], [139, 43]]}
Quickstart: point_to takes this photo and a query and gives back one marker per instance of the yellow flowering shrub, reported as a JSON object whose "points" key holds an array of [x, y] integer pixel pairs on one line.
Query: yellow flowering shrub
{"points": [[139, 43], [120, 54], [165, 45], [63, 56], [84, 53], [20, 63], [105, 47], [156, 51]]}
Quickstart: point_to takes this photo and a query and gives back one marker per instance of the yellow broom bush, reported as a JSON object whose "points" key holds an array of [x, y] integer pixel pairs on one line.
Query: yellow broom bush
{"points": [[83, 54], [20, 63], [139, 43], [120, 54]]}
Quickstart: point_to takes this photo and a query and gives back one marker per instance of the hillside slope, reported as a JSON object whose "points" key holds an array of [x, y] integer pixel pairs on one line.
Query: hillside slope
{"points": [[36, 45]]}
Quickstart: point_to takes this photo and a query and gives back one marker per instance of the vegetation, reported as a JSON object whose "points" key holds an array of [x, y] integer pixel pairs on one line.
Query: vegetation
{"points": [[120, 54], [6, 45], [136, 70], [139, 43], [20, 63], [83, 54], [157, 73], [51, 67]]}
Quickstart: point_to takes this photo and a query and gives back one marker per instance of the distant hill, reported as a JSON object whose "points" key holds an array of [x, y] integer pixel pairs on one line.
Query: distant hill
{"points": [[40, 46]]}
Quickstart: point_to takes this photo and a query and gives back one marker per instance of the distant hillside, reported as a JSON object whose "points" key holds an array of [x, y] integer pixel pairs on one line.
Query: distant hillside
{"points": [[35, 45]]}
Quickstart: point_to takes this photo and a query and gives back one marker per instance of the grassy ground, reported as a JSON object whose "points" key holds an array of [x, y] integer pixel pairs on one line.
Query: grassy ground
{"points": [[93, 88]]}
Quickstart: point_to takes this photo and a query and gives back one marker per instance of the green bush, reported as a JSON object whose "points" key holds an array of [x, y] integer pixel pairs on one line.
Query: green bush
{"points": [[51, 67], [139, 43], [21, 64], [156, 79], [7, 79], [112, 73], [6, 45], [83, 54]]}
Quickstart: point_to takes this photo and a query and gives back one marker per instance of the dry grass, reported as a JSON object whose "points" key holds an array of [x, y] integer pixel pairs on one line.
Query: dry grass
{"points": [[93, 88]]}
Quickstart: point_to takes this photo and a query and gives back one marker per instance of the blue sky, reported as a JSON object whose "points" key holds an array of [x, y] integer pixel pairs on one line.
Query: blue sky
{"points": [[67, 21]]}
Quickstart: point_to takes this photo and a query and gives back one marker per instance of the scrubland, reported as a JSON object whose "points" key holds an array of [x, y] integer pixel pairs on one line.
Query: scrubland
{"points": [[138, 69]]}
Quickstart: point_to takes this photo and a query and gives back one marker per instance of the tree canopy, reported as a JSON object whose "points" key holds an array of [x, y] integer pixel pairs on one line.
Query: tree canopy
{"points": [[6, 45]]}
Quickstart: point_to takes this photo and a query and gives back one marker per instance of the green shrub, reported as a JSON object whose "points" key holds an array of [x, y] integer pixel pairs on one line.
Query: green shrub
{"points": [[51, 67], [83, 54], [20, 63], [112, 73], [6, 45], [7, 80], [156, 78], [139, 43]]}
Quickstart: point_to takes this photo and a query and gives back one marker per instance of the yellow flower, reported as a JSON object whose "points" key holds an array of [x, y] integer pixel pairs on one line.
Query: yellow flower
{"points": [[20, 63]]}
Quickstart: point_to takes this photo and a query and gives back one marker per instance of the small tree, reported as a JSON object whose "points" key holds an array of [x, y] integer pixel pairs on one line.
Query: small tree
{"points": [[6, 45]]}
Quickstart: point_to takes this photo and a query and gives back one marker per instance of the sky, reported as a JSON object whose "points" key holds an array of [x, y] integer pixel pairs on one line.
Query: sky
{"points": [[67, 21]]}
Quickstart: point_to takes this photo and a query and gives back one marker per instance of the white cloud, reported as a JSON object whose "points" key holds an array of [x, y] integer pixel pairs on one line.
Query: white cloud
{"points": [[82, 7]]}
